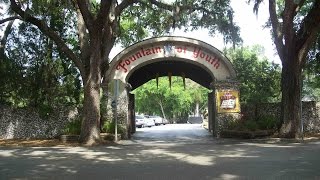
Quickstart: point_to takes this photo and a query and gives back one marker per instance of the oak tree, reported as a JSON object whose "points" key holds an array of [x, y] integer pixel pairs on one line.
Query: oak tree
{"points": [[295, 27]]}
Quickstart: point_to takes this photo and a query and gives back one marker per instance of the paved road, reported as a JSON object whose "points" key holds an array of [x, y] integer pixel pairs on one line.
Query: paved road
{"points": [[166, 152]]}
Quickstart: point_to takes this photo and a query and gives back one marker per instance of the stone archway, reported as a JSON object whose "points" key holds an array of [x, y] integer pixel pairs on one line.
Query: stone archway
{"points": [[178, 56]]}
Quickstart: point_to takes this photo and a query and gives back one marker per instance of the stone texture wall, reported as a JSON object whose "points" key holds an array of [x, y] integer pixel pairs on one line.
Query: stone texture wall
{"points": [[224, 120], [26, 123], [122, 112], [310, 113]]}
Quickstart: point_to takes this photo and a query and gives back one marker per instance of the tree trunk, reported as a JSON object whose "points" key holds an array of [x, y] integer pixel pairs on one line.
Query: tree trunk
{"points": [[90, 131], [197, 110], [90, 128], [162, 110], [291, 97]]}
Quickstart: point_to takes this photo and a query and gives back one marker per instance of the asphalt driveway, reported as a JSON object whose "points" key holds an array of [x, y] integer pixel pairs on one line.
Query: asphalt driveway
{"points": [[166, 152]]}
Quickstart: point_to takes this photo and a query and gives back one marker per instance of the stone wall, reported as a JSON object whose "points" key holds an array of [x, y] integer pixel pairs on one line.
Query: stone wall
{"points": [[310, 113], [224, 119], [26, 123]]}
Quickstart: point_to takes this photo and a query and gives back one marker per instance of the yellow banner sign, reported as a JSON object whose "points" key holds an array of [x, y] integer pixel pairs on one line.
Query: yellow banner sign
{"points": [[228, 101]]}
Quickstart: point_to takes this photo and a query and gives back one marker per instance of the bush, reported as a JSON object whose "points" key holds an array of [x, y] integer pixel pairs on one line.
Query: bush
{"points": [[109, 127], [267, 122], [73, 127], [251, 125]]}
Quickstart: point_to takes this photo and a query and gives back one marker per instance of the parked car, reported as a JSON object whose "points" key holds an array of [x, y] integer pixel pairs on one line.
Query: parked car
{"points": [[140, 121], [148, 122], [165, 121], [157, 120], [143, 121]]}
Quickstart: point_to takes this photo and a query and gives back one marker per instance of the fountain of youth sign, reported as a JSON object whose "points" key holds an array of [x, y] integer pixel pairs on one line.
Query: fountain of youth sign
{"points": [[210, 60], [189, 53]]}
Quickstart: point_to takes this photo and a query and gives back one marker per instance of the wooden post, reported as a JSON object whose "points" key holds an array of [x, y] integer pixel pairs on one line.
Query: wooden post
{"points": [[131, 114], [211, 111]]}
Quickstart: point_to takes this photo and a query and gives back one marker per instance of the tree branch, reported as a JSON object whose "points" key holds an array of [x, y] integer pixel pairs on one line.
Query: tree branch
{"points": [[86, 14], [50, 33], [168, 7], [9, 19], [6, 33], [298, 6], [123, 5], [103, 13], [83, 36], [276, 28], [309, 29], [162, 5], [3, 41], [105, 20], [287, 29]]}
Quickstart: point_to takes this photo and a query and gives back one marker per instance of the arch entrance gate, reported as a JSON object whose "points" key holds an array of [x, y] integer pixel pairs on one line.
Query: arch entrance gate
{"points": [[179, 56]]}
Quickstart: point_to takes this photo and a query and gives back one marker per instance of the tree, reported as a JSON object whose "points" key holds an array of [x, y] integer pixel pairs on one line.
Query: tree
{"points": [[98, 27], [175, 102], [295, 27], [259, 79], [33, 74], [311, 73]]}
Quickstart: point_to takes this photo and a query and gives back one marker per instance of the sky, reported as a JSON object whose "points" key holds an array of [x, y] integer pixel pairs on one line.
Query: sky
{"points": [[251, 30]]}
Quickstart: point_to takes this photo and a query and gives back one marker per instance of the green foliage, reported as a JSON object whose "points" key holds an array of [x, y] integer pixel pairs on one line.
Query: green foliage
{"points": [[266, 122], [311, 73], [145, 19], [73, 127], [260, 80], [34, 74], [109, 127], [175, 101], [250, 125]]}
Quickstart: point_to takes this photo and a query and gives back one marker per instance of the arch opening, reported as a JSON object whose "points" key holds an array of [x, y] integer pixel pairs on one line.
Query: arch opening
{"points": [[175, 68]]}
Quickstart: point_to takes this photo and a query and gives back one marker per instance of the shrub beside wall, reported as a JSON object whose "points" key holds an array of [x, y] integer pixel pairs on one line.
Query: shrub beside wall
{"points": [[310, 113]]}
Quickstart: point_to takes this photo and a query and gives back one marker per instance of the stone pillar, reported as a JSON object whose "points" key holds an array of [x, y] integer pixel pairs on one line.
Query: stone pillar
{"points": [[226, 93]]}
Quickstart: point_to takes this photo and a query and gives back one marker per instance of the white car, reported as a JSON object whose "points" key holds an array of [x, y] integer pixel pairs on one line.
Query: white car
{"points": [[149, 122], [140, 121], [157, 120]]}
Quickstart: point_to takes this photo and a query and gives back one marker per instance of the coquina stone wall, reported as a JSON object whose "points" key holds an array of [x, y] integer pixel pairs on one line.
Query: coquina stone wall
{"points": [[310, 113], [26, 123], [223, 119]]}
